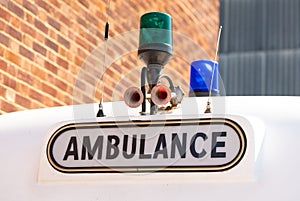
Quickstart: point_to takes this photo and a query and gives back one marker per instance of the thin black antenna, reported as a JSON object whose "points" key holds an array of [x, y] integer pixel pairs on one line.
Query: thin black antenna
{"points": [[208, 107], [106, 34]]}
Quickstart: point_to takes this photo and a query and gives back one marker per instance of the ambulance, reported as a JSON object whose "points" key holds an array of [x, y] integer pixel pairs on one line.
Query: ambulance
{"points": [[158, 142]]}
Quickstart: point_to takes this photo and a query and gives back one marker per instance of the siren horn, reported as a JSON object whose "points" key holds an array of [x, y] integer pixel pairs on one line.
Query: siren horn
{"points": [[160, 94], [133, 97]]}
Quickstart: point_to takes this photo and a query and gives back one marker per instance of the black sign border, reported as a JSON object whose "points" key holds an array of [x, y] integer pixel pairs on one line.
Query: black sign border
{"points": [[140, 169]]}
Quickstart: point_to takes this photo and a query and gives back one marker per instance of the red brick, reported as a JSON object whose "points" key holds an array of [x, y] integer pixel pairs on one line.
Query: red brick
{"points": [[29, 18], [4, 14], [63, 41], [55, 24], [62, 62], [44, 5], [79, 61], [2, 91], [81, 53], [88, 99], [118, 67], [34, 94], [49, 89], [39, 49], [16, 59], [108, 91], [39, 72], [85, 3], [69, 55], [64, 53], [9, 81], [12, 69], [4, 2], [64, 20], [55, 103], [81, 21], [80, 85], [52, 56], [16, 22], [118, 28], [92, 21], [2, 25], [51, 45], [50, 67], [27, 29], [26, 53], [4, 39], [41, 26], [52, 35], [23, 101], [55, 3], [31, 7], [26, 77], [91, 39], [100, 15], [15, 9], [36, 105], [97, 94], [93, 29], [62, 85], [116, 48], [3, 64], [26, 65], [72, 33], [67, 100], [14, 45], [48, 101], [51, 79], [14, 33], [79, 40], [8, 107], [89, 78], [23, 89], [2, 52], [10, 96], [39, 37]]}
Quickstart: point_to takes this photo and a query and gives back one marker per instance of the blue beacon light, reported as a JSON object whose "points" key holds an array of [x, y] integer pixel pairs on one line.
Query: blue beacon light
{"points": [[200, 78]]}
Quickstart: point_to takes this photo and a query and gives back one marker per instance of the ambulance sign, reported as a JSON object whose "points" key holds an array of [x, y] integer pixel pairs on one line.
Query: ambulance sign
{"points": [[189, 145]]}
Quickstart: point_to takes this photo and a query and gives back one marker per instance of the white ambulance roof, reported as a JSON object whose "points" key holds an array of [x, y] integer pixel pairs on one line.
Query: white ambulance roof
{"points": [[276, 168]]}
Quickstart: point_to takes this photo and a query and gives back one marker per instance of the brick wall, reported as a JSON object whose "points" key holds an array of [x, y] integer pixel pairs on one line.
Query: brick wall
{"points": [[51, 51]]}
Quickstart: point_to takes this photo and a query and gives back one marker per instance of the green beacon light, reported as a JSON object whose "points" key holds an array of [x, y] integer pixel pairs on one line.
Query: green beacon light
{"points": [[155, 49], [156, 41]]}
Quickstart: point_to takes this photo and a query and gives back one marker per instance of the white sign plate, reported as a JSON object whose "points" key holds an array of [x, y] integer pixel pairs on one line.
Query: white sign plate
{"points": [[189, 145]]}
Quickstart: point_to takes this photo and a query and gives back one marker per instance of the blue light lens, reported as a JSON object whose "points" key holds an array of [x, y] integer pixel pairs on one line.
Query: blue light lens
{"points": [[201, 75]]}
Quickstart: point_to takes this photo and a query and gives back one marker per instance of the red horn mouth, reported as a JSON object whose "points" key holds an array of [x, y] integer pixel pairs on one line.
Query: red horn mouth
{"points": [[133, 97], [160, 95]]}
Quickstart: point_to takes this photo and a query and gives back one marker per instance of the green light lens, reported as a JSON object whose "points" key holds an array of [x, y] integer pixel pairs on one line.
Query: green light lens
{"points": [[156, 27]]}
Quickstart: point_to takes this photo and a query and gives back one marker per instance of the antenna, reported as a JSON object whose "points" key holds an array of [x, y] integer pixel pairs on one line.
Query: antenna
{"points": [[106, 34], [208, 107]]}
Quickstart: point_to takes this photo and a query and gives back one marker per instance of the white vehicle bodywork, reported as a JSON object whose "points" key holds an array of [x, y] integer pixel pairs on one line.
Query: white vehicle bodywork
{"points": [[269, 170]]}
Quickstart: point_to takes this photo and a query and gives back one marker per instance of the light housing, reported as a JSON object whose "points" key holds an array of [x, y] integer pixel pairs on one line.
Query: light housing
{"points": [[200, 78], [156, 40]]}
